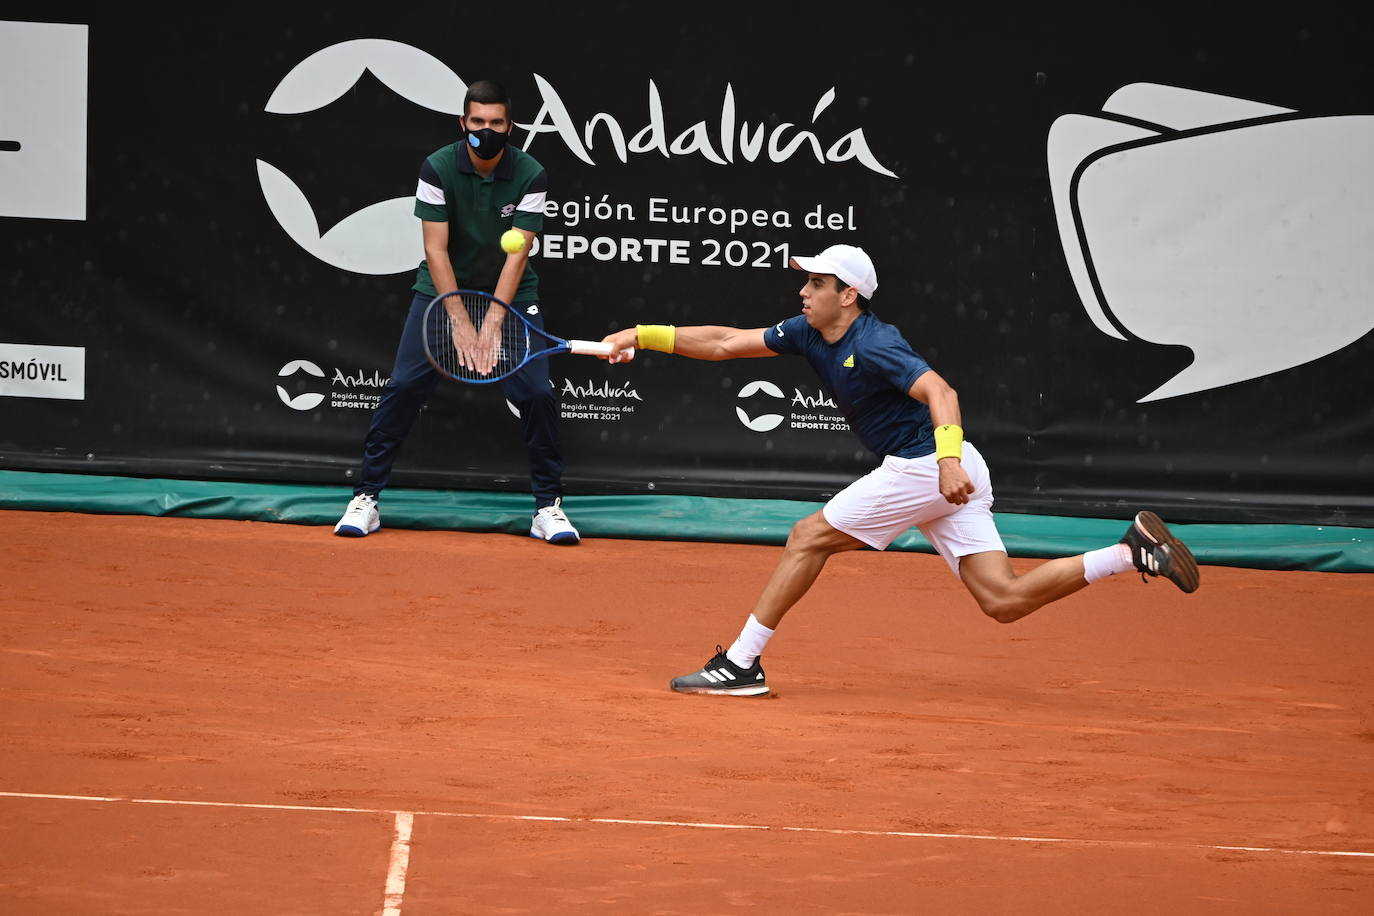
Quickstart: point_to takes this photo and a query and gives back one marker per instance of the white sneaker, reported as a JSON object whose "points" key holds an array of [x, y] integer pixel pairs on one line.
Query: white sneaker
{"points": [[361, 518], [550, 524]]}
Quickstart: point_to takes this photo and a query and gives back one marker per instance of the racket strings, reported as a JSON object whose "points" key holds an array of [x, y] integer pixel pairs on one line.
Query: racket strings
{"points": [[466, 361]]}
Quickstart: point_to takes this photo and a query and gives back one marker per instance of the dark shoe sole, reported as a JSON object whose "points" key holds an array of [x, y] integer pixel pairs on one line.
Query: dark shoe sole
{"points": [[348, 531], [563, 538], [1183, 570]]}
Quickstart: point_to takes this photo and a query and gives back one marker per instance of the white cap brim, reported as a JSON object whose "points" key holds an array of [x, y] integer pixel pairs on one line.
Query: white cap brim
{"points": [[820, 265]]}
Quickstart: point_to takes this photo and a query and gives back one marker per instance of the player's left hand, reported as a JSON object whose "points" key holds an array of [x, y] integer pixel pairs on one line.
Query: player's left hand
{"points": [[955, 485]]}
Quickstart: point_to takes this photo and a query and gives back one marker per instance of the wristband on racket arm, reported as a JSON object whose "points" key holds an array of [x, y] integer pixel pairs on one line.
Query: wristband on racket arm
{"points": [[661, 337]]}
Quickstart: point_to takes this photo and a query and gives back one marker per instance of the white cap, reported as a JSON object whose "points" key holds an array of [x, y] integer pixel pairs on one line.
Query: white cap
{"points": [[850, 264]]}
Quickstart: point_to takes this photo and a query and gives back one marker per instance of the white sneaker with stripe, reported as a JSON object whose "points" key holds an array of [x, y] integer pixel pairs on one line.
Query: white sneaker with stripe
{"points": [[552, 525], [361, 518]]}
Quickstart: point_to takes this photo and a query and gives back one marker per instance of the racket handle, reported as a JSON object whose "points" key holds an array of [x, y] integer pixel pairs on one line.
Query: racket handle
{"points": [[590, 348]]}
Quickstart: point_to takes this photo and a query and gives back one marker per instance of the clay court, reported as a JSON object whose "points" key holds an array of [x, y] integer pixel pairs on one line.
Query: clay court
{"points": [[206, 716]]}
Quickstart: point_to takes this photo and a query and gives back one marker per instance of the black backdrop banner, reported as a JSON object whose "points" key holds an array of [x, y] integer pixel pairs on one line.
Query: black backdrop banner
{"points": [[1140, 251]]}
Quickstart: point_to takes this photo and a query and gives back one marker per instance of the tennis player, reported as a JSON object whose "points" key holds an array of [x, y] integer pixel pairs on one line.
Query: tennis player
{"points": [[929, 477], [469, 193]]}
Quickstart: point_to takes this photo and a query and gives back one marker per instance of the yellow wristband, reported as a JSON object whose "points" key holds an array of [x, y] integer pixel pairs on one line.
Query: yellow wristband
{"points": [[659, 337], [949, 442]]}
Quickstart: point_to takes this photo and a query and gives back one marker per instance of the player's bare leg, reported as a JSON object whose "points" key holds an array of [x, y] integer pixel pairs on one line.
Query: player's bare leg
{"points": [[1006, 597], [810, 544], [1148, 547], [737, 671]]}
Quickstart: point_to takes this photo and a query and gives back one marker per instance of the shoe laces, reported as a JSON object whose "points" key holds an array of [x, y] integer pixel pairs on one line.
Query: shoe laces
{"points": [[555, 512], [363, 501]]}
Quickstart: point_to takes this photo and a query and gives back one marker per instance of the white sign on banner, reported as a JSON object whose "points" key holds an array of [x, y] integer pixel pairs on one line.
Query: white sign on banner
{"points": [[43, 120], [32, 371]]}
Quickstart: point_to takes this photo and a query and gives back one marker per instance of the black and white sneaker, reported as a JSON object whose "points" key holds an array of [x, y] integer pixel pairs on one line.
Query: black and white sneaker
{"points": [[723, 677], [1156, 552]]}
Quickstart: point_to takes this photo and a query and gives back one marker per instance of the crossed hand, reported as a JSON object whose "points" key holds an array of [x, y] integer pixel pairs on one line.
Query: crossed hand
{"points": [[476, 350]]}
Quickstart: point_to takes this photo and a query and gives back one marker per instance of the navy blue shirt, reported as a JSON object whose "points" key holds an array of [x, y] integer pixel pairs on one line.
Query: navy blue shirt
{"points": [[869, 371]]}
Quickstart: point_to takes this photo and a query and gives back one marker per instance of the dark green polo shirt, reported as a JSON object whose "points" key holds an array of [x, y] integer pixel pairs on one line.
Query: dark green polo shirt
{"points": [[477, 211]]}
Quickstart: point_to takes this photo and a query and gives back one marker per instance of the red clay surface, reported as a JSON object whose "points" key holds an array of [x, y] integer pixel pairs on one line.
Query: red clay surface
{"points": [[485, 679]]}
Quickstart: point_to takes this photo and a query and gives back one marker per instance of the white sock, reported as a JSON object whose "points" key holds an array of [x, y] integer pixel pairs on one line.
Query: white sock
{"points": [[1099, 564], [750, 643]]}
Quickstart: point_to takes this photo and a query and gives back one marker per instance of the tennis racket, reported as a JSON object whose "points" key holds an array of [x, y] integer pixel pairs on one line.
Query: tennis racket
{"points": [[465, 311]]}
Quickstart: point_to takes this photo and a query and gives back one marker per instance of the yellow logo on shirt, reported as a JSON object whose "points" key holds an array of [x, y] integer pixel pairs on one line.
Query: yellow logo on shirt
{"points": [[849, 361]]}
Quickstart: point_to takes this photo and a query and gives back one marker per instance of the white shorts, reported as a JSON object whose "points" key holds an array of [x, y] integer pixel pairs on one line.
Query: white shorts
{"points": [[902, 492]]}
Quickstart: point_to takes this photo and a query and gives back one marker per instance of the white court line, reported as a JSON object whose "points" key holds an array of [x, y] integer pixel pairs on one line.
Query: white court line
{"points": [[830, 831], [400, 861]]}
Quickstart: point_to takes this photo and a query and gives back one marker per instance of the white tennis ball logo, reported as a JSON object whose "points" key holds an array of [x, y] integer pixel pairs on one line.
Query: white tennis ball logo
{"points": [[765, 422]]}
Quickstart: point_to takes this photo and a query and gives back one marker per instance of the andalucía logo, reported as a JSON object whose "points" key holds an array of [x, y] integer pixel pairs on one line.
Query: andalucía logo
{"points": [[601, 401], [759, 399], [342, 389], [380, 239], [594, 390]]}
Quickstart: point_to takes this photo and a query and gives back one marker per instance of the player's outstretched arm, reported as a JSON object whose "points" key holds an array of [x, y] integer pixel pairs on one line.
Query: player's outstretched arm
{"points": [[711, 342]]}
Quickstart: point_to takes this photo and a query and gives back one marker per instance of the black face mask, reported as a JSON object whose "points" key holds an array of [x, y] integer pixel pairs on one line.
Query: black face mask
{"points": [[486, 143]]}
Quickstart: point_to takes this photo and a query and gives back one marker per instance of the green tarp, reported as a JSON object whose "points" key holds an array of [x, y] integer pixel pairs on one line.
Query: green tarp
{"points": [[681, 518]]}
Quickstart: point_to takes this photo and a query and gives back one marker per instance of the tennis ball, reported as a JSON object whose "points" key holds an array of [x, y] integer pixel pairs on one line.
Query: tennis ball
{"points": [[512, 240]]}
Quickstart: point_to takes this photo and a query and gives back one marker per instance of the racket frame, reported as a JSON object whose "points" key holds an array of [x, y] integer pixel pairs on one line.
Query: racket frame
{"points": [[557, 345]]}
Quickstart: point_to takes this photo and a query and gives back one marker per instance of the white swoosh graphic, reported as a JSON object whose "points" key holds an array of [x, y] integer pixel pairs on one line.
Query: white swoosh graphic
{"points": [[409, 72], [380, 239]]}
